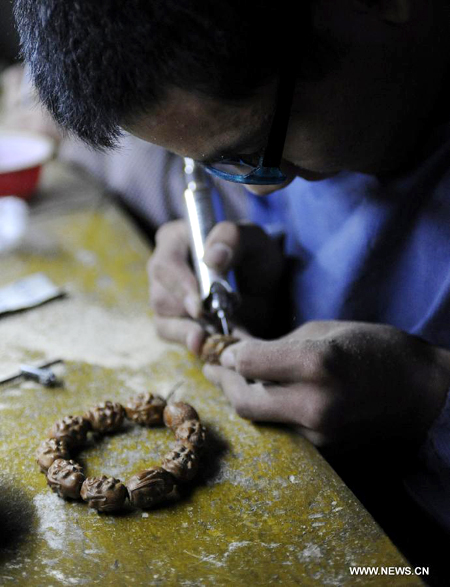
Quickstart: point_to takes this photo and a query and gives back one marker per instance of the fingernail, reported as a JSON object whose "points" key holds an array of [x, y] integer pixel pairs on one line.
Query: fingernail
{"points": [[219, 255], [228, 359], [192, 305]]}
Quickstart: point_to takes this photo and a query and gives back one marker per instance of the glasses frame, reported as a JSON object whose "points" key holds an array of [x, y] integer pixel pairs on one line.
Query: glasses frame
{"points": [[268, 171]]}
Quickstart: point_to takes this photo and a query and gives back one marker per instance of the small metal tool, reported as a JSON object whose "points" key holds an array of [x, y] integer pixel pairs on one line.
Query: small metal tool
{"points": [[40, 373], [43, 375], [218, 296]]}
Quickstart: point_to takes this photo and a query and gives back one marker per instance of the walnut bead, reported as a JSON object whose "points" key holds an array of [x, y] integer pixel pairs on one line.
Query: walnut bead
{"points": [[214, 347], [146, 409], [192, 434], [181, 462], [148, 488], [175, 414], [106, 417], [65, 478], [105, 494], [50, 450], [71, 429]]}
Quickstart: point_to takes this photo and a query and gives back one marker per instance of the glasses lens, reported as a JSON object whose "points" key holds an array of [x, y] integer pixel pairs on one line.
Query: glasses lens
{"points": [[239, 165], [247, 175], [233, 168]]}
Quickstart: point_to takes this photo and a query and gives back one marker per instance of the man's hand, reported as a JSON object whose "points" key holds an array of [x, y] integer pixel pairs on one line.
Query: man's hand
{"points": [[174, 295], [339, 382]]}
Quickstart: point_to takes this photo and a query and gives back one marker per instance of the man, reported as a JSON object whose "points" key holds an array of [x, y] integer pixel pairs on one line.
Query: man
{"points": [[365, 223], [147, 179]]}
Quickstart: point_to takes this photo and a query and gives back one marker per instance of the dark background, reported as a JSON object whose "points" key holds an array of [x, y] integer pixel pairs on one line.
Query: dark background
{"points": [[9, 42]]}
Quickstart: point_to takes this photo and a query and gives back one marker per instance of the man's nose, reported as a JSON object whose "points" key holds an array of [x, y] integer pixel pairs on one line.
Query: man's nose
{"points": [[263, 190]]}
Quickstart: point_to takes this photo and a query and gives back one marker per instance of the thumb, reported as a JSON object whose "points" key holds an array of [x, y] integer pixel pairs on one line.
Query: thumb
{"points": [[221, 246]]}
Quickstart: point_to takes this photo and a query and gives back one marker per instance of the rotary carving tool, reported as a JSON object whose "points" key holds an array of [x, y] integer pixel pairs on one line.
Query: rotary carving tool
{"points": [[219, 296]]}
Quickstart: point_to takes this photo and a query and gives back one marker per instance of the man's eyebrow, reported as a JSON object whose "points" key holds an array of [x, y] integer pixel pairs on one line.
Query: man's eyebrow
{"points": [[236, 147]]}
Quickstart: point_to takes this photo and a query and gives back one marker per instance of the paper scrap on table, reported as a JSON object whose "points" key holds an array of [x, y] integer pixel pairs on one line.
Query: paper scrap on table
{"points": [[28, 292]]}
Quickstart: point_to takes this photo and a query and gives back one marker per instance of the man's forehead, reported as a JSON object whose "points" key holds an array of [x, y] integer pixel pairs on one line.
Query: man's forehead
{"points": [[200, 127]]}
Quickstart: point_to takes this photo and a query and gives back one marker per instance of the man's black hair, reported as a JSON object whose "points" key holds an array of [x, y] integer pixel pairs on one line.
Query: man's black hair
{"points": [[97, 64]]}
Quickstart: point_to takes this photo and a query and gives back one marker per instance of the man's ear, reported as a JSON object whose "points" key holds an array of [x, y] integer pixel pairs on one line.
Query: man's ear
{"points": [[392, 11]]}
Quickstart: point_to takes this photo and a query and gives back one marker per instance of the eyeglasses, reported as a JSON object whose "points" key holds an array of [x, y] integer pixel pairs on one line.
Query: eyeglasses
{"points": [[262, 168]]}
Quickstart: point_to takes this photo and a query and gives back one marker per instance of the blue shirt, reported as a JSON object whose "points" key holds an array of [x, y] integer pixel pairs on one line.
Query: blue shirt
{"points": [[376, 250]]}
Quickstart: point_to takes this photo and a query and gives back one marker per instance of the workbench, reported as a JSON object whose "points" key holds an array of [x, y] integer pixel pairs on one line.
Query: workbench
{"points": [[266, 508]]}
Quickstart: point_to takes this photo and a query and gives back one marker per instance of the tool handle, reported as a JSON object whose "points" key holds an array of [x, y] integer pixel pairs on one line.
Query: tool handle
{"points": [[201, 218]]}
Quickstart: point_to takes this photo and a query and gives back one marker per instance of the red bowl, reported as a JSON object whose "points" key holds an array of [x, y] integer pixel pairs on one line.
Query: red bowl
{"points": [[22, 155]]}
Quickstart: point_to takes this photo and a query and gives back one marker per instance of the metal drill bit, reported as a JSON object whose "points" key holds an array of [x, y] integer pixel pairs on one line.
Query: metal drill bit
{"points": [[223, 321]]}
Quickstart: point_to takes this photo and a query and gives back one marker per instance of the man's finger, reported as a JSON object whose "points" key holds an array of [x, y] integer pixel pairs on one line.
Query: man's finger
{"points": [[182, 330], [172, 240], [173, 289], [221, 246], [164, 303], [175, 277], [304, 405], [169, 269], [284, 360], [228, 243], [317, 438]]}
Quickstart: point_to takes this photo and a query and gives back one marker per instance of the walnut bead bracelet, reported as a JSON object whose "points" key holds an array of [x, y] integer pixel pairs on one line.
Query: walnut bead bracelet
{"points": [[145, 489]]}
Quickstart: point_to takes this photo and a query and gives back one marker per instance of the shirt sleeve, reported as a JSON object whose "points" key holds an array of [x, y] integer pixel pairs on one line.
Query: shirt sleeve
{"points": [[429, 484]]}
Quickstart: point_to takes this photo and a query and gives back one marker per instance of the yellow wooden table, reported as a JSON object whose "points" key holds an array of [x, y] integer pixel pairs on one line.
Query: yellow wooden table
{"points": [[266, 510]]}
